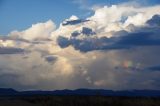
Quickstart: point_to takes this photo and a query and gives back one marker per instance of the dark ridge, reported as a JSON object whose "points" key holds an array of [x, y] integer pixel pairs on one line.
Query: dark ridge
{"points": [[83, 92]]}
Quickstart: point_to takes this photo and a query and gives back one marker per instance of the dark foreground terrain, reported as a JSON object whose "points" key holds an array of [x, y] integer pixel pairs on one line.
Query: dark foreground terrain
{"points": [[78, 101]]}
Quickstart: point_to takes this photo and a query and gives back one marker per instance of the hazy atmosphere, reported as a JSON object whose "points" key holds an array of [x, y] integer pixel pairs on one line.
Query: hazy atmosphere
{"points": [[70, 44]]}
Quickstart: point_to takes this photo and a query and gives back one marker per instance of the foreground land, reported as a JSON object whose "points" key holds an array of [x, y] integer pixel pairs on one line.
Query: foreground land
{"points": [[78, 101]]}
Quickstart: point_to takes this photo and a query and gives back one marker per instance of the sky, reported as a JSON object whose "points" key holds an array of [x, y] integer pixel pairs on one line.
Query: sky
{"points": [[71, 44], [14, 12]]}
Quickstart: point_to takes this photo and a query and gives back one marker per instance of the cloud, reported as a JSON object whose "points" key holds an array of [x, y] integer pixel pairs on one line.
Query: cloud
{"points": [[155, 21], [11, 50], [105, 22], [109, 50], [154, 68], [73, 22], [100, 83], [138, 39], [83, 4], [36, 31], [141, 36], [8, 47], [50, 59], [73, 69], [125, 15]]}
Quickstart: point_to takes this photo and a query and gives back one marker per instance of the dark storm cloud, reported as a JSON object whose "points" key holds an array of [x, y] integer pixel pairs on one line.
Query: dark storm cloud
{"points": [[63, 42], [85, 31], [138, 39], [50, 59], [155, 21], [10, 50], [154, 68], [144, 36], [104, 43], [86, 45], [74, 22]]}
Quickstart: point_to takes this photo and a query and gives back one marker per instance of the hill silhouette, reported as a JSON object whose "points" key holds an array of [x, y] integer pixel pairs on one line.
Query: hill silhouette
{"points": [[82, 92]]}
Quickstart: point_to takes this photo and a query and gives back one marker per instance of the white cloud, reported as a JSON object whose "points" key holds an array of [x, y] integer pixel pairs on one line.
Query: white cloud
{"points": [[83, 4], [120, 16], [36, 31], [63, 66], [100, 83], [109, 19], [73, 17], [7, 43]]}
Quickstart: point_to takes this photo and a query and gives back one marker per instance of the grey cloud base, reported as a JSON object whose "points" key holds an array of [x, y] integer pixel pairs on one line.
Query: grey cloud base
{"points": [[11, 50]]}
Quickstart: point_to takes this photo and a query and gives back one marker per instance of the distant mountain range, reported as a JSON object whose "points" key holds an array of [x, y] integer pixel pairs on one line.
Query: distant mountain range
{"points": [[81, 92]]}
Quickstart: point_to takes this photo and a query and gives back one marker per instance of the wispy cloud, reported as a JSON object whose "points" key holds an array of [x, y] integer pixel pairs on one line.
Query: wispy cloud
{"points": [[83, 4]]}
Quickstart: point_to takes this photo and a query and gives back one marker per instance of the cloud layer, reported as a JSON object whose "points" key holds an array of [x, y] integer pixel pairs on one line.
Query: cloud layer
{"points": [[116, 48]]}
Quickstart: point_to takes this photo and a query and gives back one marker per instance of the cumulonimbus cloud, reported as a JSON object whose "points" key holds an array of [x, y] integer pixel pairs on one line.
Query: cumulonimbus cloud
{"points": [[105, 50]]}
